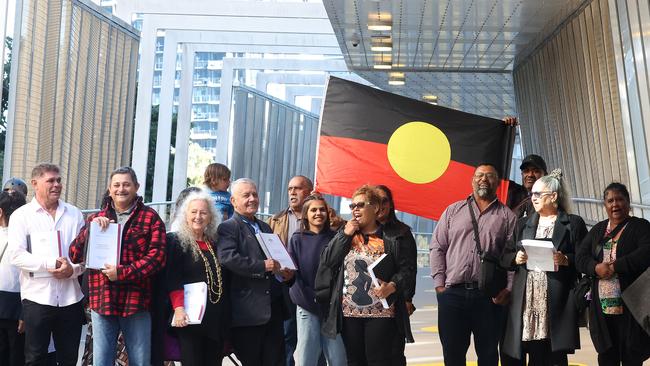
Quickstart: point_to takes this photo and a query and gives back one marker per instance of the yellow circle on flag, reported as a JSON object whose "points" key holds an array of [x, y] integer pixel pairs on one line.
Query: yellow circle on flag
{"points": [[419, 152]]}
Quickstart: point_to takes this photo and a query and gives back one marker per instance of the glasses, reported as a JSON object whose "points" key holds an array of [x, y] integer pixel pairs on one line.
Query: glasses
{"points": [[540, 194], [479, 176], [359, 205]]}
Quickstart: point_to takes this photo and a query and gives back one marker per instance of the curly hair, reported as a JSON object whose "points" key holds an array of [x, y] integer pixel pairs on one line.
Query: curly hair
{"points": [[184, 232]]}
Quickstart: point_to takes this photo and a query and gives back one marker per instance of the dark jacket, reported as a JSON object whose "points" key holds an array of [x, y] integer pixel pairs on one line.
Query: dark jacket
{"points": [[305, 249], [518, 200], [568, 232], [399, 245], [632, 259], [188, 269], [251, 288]]}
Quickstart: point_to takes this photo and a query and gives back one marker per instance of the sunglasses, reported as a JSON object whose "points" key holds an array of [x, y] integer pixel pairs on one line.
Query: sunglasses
{"points": [[359, 205], [540, 194]]}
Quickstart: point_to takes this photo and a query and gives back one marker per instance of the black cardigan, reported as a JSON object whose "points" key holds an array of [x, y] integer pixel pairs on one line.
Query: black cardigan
{"points": [[183, 268], [400, 245], [632, 259]]}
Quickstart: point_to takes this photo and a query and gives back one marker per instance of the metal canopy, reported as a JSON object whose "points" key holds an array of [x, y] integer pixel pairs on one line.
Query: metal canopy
{"points": [[460, 51]]}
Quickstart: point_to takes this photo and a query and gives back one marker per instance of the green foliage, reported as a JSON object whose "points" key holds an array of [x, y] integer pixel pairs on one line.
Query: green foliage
{"points": [[151, 156], [4, 104]]}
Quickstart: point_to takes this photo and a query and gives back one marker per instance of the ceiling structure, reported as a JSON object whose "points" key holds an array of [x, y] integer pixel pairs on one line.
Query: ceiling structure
{"points": [[458, 53]]}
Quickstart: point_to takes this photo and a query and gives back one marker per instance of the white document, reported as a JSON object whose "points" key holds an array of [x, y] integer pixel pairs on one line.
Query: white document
{"points": [[196, 295], [540, 255], [104, 247], [375, 281], [273, 248], [46, 244]]}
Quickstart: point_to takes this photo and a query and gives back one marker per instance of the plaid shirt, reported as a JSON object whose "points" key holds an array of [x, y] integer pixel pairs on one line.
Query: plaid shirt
{"points": [[143, 254]]}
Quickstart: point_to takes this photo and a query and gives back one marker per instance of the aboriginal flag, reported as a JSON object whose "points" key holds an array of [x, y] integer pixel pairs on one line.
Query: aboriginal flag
{"points": [[424, 153]]}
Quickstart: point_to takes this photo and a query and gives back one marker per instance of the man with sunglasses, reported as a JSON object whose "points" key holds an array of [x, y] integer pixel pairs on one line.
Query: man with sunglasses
{"points": [[455, 266]]}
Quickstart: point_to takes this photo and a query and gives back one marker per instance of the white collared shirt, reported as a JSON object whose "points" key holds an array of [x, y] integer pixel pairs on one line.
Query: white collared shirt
{"points": [[33, 218]]}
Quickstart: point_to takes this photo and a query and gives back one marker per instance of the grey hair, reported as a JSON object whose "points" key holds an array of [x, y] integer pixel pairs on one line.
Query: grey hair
{"points": [[183, 231], [234, 185], [555, 183]]}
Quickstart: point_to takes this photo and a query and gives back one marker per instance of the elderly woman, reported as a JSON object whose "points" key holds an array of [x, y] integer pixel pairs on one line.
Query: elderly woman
{"points": [[542, 319], [192, 258], [615, 252], [368, 328]]}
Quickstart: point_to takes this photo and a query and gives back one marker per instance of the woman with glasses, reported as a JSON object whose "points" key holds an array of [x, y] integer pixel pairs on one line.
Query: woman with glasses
{"points": [[305, 248], [615, 252], [369, 317], [542, 318]]}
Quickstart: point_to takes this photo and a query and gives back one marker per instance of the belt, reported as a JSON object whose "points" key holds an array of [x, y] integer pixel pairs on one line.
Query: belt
{"points": [[466, 285]]}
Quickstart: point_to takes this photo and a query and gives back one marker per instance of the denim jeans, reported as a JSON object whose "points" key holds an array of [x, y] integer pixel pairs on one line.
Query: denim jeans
{"points": [[137, 336], [311, 342]]}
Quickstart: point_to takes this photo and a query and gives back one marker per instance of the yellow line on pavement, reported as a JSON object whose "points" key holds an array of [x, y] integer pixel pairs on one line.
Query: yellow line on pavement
{"points": [[431, 329]]}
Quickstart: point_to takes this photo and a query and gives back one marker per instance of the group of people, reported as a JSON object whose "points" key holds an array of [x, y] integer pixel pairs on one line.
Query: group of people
{"points": [[326, 310], [534, 317], [331, 308]]}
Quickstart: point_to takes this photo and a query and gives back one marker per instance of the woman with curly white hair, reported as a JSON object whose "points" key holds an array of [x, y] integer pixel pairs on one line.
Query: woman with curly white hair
{"points": [[192, 258], [542, 319]]}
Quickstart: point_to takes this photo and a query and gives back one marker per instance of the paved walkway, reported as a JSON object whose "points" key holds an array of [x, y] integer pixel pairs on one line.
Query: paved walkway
{"points": [[427, 350]]}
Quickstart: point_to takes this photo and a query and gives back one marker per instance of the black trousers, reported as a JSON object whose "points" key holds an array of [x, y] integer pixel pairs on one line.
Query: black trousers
{"points": [[369, 341], [539, 354], [63, 323], [617, 326], [197, 349], [261, 345], [12, 344], [463, 313]]}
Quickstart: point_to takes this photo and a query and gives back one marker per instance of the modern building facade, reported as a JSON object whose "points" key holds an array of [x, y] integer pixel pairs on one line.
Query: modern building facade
{"points": [[72, 94]]}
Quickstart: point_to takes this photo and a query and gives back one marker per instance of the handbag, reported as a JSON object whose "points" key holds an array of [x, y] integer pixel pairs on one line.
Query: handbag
{"points": [[492, 277]]}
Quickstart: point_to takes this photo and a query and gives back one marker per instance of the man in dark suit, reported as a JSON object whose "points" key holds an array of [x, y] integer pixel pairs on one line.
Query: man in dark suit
{"points": [[258, 307]]}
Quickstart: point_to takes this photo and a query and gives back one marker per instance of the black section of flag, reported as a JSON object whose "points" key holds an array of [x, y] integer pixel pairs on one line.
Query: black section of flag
{"points": [[361, 112]]}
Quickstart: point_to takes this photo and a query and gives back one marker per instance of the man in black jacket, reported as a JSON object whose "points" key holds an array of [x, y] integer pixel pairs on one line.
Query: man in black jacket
{"points": [[258, 307]]}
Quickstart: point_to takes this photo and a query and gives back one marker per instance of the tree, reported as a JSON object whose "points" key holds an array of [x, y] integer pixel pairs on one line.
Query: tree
{"points": [[6, 69], [197, 159], [151, 156]]}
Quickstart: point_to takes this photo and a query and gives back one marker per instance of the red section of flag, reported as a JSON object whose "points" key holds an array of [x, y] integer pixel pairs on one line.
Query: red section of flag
{"points": [[344, 164]]}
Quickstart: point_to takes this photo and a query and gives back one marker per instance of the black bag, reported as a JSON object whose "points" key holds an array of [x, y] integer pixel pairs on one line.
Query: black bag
{"points": [[580, 294], [492, 277]]}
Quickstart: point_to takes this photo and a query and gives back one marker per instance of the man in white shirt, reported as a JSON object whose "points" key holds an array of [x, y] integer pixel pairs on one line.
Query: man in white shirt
{"points": [[49, 286]]}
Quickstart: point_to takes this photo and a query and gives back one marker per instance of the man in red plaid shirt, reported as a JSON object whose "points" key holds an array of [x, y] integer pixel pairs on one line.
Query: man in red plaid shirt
{"points": [[120, 296]]}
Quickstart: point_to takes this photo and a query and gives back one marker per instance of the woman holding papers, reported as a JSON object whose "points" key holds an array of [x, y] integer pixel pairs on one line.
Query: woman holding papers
{"points": [[542, 318], [196, 282], [368, 329], [12, 330], [305, 247], [614, 254]]}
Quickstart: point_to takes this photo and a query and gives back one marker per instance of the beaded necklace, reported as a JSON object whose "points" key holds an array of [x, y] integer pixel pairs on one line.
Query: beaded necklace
{"points": [[209, 274]]}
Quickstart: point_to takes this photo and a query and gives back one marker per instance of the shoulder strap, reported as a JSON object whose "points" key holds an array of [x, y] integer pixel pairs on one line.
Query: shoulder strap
{"points": [[611, 235], [3, 251], [474, 226]]}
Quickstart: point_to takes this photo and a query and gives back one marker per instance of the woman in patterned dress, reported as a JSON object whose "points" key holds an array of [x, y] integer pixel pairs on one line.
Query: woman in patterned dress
{"points": [[542, 317], [368, 327], [615, 252]]}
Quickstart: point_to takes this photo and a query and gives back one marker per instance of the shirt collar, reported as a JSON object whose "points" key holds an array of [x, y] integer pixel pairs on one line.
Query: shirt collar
{"points": [[37, 206]]}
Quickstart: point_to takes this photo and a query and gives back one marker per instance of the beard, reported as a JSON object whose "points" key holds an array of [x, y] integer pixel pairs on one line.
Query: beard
{"points": [[485, 193]]}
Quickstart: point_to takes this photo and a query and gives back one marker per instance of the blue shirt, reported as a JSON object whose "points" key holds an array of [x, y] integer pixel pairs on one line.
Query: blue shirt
{"points": [[222, 202]]}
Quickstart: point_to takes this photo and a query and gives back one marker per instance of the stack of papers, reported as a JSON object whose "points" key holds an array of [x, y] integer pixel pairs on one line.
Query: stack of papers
{"points": [[540, 255]]}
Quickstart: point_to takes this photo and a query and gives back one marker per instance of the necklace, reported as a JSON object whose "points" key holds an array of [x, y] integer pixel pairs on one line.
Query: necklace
{"points": [[215, 288]]}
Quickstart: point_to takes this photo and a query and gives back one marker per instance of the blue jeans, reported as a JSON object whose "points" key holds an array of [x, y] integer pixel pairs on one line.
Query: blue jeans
{"points": [[311, 342], [137, 336]]}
